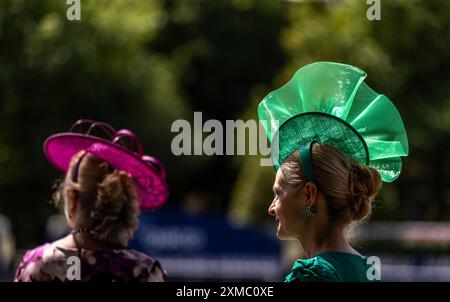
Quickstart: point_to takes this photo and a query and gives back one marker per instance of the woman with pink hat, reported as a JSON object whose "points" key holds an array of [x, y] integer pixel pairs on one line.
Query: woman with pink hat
{"points": [[108, 181]]}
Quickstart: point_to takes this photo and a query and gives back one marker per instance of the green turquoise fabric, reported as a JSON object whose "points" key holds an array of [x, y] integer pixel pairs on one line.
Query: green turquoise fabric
{"points": [[330, 267], [330, 103]]}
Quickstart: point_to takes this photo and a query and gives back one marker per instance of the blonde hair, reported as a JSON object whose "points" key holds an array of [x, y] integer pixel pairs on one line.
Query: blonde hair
{"points": [[349, 188], [107, 198]]}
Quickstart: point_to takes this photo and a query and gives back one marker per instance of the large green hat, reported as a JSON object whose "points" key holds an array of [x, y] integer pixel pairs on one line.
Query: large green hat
{"points": [[330, 103]]}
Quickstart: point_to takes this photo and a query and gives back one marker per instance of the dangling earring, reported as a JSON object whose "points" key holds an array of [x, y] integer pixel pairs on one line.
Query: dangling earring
{"points": [[308, 211]]}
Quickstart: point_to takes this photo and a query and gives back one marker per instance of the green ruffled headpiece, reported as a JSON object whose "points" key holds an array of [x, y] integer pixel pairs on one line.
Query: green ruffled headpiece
{"points": [[330, 103]]}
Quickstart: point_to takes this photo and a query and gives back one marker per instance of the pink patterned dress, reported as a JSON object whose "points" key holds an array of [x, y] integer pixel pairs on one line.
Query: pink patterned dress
{"points": [[51, 263]]}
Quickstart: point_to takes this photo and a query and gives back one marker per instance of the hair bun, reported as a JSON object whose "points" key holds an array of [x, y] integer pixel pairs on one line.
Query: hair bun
{"points": [[364, 182], [116, 208], [114, 189]]}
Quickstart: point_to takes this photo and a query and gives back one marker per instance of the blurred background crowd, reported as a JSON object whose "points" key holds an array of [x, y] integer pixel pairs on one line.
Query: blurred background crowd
{"points": [[142, 64]]}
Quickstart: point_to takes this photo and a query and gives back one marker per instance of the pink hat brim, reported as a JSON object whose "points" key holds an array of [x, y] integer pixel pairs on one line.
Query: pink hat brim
{"points": [[151, 188]]}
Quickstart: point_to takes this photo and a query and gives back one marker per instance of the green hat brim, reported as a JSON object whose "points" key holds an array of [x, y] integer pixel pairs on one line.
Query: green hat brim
{"points": [[318, 126]]}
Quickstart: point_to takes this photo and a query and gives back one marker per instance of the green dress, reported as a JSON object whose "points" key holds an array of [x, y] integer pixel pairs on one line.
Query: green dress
{"points": [[330, 267]]}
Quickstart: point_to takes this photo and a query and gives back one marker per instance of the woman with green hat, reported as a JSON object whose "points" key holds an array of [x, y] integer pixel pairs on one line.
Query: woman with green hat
{"points": [[333, 141]]}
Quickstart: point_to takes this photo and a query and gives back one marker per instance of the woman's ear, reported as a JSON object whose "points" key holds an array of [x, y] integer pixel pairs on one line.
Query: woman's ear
{"points": [[310, 193]]}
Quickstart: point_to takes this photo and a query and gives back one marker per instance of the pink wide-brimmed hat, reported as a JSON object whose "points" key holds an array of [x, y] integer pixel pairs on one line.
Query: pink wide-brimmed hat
{"points": [[148, 173]]}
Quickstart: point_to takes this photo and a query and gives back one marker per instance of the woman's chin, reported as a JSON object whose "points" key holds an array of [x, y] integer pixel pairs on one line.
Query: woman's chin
{"points": [[282, 236]]}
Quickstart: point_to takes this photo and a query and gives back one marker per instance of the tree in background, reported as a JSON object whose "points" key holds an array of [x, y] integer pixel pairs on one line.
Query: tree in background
{"points": [[223, 49]]}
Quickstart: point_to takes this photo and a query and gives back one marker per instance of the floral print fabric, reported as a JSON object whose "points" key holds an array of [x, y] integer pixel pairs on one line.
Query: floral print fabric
{"points": [[51, 263]]}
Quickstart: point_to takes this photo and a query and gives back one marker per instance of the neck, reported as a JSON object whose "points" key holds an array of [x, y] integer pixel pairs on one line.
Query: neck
{"points": [[84, 241], [326, 241]]}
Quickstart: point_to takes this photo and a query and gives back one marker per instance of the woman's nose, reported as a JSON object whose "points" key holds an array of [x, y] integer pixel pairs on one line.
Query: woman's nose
{"points": [[271, 209]]}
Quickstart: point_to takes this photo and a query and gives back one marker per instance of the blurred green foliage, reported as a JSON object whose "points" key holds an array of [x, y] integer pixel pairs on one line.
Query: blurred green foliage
{"points": [[141, 64]]}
